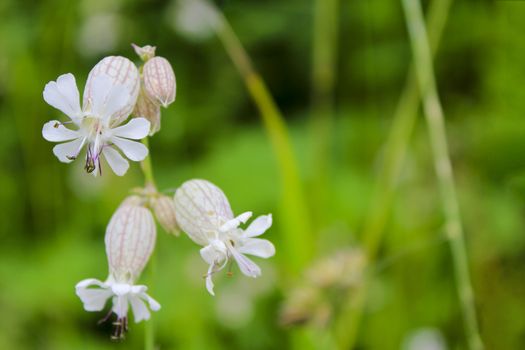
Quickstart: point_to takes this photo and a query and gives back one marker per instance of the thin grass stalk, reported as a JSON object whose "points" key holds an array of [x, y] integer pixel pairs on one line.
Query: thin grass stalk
{"points": [[443, 166], [324, 52], [395, 148], [297, 232]]}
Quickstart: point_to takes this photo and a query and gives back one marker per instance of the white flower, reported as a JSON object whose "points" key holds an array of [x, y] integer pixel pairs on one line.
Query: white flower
{"points": [[97, 123], [122, 294], [204, 213], [130, 238]]}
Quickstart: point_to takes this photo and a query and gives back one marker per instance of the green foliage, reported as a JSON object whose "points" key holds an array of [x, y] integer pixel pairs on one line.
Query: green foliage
{"points": [[53, 216]]}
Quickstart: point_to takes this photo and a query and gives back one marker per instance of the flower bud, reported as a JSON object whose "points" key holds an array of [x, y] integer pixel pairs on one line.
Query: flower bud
{"points": [[144, 52], [121, 71], [130, 239], [159, 81], [164, 209], [148, 109]]}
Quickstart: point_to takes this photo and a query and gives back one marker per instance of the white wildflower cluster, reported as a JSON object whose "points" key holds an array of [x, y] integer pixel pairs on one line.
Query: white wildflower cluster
{"points": [[120, 106], [115, 91]]}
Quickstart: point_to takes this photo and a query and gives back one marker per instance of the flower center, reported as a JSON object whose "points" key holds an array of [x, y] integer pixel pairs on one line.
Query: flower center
{"points": [[94, 134]]}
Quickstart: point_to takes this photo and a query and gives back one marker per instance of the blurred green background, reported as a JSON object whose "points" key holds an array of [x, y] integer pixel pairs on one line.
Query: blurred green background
{"points": [[53, 216]]}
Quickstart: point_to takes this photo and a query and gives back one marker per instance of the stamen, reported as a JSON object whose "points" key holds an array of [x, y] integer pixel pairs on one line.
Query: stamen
{"points": [[57, 124], [230, 272], [90, 162], [121, 327], [105, 317], [99, 167]]}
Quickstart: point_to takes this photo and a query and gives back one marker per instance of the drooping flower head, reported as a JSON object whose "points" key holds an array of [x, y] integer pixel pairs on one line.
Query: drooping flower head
{"points": [[109, 98], [204, 213], [130, 239]]}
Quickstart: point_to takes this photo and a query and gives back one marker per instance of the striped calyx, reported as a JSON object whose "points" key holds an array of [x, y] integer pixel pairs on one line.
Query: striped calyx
{"points": [[201, 208], [130, 239], [164, 210], [159, 81], [121, 71]]}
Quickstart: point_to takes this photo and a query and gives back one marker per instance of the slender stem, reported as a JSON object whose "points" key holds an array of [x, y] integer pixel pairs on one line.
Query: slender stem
{"points": [[146, 167], [295, 219], [149, 330], [324, 52], [436, 127], [404, 120], [149, 180], [149, 335]]}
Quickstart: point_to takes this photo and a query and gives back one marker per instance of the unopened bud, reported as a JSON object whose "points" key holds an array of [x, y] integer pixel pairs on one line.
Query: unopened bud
{"points": [[164, 209], [130, 239], [144, 52], [159, 81], [148, 109], [121, 71]]}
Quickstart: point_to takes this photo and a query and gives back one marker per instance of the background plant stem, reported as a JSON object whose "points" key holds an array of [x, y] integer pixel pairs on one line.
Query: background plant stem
{"points": [[324, 53], [436, 128], [295, 217], [404, 120]]}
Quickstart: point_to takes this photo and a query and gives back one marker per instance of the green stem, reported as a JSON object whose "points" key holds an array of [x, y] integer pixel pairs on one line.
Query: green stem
{"points": [[149, 180], [436, 128], [404, 120], [295, 219], [149, 330], [149, 335], [146, 167], [324, 52]]}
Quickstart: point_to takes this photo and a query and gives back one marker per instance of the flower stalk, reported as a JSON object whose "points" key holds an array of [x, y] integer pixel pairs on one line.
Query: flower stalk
{"points": [[436, 127], [147, 169]]}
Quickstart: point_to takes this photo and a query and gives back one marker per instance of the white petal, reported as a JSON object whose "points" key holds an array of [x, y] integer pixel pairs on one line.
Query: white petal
{"points": [[258, 226], [55, 131], [209, 281], [65, 152], [136, 129], [93, 299], [120, 289], [248, 267], [120, 306], [132, 149], [233, 223], [209, 254], [101, 87], [140, 311], [118, 164], [91, 282], [63, 95], [120, 71], [118, 98], [152, 303], [259, 247]]}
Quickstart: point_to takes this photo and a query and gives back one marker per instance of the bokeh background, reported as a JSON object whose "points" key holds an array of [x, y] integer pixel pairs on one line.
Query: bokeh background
{"points": [[53, 216]]}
